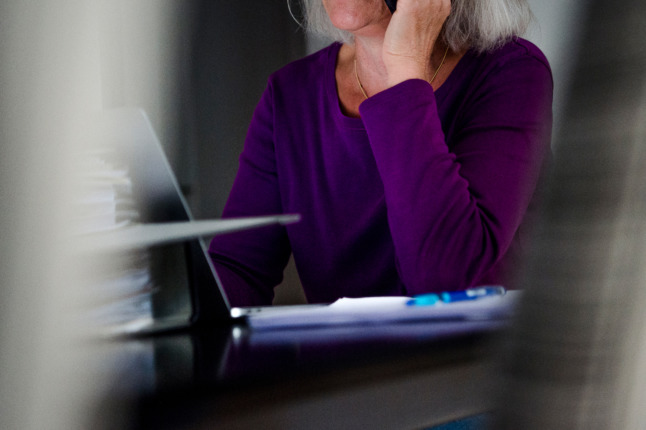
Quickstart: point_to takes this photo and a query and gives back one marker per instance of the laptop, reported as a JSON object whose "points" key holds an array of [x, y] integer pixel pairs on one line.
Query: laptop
{"points": [[178, 286]]}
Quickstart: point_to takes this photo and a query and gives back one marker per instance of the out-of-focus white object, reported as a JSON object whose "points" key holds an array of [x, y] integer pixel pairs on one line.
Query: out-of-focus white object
{"points": [[49, 80]]}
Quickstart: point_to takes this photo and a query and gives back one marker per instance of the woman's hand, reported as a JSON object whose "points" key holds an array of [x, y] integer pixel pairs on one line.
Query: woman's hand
{"points": [[410, 38]]}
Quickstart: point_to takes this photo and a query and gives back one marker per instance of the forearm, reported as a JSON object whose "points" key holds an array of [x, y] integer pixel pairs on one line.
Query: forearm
{"points": [[452, 213]]}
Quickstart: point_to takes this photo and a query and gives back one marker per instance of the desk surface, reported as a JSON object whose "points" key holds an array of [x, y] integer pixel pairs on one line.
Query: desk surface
{"points": [[388, 376]]}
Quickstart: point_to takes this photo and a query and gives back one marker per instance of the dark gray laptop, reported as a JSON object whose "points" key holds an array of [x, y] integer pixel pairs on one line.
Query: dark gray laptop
{"points": [[179, 286]]}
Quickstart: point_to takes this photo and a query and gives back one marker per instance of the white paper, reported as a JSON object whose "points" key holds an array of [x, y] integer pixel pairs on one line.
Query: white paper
{"points": [[377, 310]]}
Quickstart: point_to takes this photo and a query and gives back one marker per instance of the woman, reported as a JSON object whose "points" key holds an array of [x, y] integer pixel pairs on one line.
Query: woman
{"points": [[411, 148]]}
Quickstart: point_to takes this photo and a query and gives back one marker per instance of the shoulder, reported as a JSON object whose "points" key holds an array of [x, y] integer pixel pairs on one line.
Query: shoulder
{"points": [[518, 55], [513, 81], [307, 69], [521, 49], [517, 62]]}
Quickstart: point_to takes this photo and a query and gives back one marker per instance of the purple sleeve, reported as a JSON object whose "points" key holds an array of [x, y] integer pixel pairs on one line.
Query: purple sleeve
{"points": [[251, 263], [454, 207]]}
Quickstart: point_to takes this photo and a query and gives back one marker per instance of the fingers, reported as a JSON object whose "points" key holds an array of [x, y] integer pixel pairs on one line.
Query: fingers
{"points": [[410, 38], [423, 18], [434, 9]]}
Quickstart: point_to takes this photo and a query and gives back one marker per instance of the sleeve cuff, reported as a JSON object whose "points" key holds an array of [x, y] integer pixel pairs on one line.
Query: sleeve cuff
{"points": [[399, 96]]}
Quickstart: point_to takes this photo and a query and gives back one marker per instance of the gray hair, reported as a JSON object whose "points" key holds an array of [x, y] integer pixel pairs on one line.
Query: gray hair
{"points": [[482, 25]]}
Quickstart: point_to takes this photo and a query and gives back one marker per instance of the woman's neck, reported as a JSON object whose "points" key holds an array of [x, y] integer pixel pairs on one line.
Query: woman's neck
{"points": [[371, 72], [367, 52]]}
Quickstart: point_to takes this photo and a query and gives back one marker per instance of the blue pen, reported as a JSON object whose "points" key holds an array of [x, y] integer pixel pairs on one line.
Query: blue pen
{"points": [[456, 296]]}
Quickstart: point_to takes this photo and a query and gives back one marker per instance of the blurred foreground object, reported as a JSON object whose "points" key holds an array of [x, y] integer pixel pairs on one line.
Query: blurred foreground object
{"points": [[47, 86], [53, 76], [578, 353]]}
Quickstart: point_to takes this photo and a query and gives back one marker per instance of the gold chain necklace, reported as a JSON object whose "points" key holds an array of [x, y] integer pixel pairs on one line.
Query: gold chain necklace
{"points": [[363, 91]]}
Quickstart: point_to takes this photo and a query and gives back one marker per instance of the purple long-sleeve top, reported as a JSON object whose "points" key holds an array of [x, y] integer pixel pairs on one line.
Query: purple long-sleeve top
{"points": [[426, 191]]}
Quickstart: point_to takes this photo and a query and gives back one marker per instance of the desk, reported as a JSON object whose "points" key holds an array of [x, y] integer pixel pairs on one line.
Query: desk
{"points": [[389, 376]]}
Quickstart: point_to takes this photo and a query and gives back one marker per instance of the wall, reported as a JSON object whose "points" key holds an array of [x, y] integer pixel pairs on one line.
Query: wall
{"points": [[556, 31], [235, 50]]}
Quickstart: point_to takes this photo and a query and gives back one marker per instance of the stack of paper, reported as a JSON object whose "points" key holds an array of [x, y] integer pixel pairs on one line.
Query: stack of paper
{"points": [[120, 289], [105, 199]]}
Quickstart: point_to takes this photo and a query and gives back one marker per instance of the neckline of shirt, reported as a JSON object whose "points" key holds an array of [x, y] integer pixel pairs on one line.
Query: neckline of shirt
{"points": [[354, 123]]}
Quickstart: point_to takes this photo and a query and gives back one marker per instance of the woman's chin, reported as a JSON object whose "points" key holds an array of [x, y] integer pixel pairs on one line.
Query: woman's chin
{"points": [[357, 17], [370, 29]]}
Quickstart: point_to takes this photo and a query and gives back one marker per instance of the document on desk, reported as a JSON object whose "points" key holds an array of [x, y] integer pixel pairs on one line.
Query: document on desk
{"points": [[378, 310]]}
